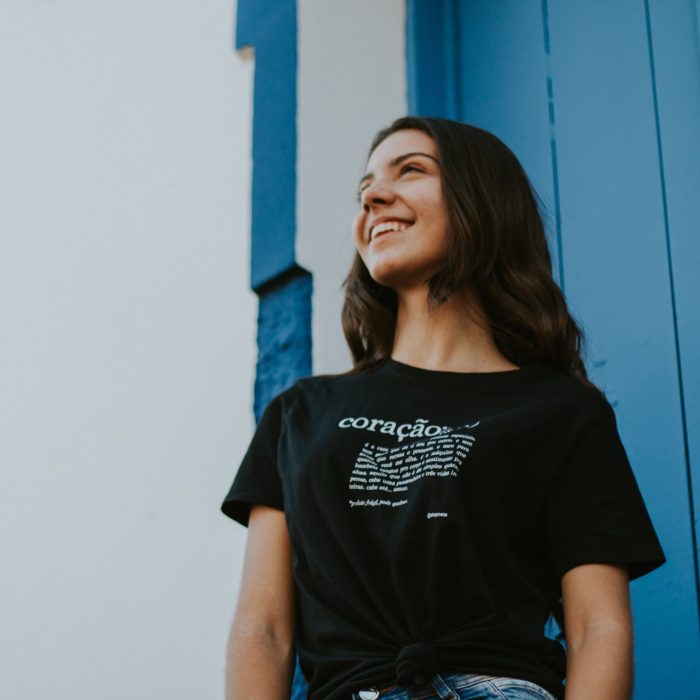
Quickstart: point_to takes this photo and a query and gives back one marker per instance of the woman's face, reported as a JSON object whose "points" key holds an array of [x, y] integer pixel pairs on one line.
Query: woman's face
{"points": [[402, 184]]}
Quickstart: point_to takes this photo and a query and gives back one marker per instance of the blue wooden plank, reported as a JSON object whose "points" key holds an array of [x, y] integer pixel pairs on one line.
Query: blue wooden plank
{"points": [[431, 66], [617, 272], [673, 37]]}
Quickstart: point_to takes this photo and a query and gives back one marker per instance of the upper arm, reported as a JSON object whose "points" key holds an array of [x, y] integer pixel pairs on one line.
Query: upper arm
{"points": [[595, 596], [266, 599]]}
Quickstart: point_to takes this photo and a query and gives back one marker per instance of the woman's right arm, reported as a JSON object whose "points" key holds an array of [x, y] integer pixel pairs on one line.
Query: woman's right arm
{"points": [[260, 655]]}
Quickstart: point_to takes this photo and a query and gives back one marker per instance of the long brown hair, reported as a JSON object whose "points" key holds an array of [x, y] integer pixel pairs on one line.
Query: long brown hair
{"points": [[497, 249]]}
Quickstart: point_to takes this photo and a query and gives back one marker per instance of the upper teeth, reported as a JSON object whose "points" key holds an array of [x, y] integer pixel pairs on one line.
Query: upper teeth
{"points": [[388, 226]]}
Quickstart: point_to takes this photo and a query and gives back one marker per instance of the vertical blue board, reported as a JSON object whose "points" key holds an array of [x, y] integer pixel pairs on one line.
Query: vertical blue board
{"points": [[270, 26], [601, 103], [284, 288], [432, 66], [618, 280], [674, 30]]}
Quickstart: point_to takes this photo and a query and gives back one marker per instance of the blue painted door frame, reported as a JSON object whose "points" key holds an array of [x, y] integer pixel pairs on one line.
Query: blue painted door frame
{"points": [[601, 103]]}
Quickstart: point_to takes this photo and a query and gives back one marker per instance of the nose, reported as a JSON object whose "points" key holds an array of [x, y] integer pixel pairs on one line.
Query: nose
{"points": [[376, 193]]}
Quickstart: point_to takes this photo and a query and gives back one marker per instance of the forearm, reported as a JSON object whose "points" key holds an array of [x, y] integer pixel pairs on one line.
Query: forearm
{"points": [[258, 666], [600, 665]]}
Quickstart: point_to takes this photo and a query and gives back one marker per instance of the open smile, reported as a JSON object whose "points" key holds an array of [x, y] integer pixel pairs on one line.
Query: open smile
{"points": [[388, 233]]}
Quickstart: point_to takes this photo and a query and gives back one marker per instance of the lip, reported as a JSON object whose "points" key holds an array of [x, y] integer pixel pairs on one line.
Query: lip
{"points": [[386, 233], [383, 219]]}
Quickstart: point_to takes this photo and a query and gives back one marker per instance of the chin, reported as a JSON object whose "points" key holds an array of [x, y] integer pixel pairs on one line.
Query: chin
{"points": [[397, 272], [386, 273], [397, 278]]}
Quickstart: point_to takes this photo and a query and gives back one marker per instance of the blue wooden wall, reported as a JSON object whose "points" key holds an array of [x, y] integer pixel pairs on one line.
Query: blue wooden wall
{"points": [[600, 101]]}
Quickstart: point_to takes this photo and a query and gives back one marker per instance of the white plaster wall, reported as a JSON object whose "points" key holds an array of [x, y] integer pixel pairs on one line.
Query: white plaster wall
{"points": [[351, 83], [128, 344]]}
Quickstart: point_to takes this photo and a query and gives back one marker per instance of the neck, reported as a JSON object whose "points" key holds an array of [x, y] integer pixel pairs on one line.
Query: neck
{"points": [[455, 337]]}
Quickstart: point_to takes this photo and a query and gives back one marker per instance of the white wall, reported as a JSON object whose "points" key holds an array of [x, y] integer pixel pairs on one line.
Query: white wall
{"points": [[352, 82], [128, 344]]}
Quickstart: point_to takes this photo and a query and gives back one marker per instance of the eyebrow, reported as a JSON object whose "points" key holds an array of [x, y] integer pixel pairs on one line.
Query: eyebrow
{"points": [[397, 161]]}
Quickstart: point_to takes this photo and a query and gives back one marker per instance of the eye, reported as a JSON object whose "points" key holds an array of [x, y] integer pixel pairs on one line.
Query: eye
{"points": [[404, 169]]}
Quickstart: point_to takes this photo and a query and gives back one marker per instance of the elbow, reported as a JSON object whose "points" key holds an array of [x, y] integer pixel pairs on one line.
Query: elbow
{"points": [[620, 634], [271, 633]]}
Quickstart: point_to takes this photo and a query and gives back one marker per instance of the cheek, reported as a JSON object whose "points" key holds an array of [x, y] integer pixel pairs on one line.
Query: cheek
{"points": [[438, 217], [358, 227], [432, 212], [429, 204]]}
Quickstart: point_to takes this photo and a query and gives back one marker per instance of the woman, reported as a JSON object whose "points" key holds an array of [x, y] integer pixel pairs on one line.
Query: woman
{"points": [[414, 522]]}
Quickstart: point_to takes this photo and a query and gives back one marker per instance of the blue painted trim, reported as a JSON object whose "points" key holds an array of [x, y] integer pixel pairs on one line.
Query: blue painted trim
{"points": [[674, 312], [284, 336], [284, 288], [271, 26]]}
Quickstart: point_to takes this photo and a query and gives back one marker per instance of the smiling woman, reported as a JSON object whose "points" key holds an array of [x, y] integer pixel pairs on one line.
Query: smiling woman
{"points": [[416, 520], [476, 231]]}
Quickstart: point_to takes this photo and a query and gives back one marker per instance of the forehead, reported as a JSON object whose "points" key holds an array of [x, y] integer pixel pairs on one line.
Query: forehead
{"points": [[402, 141]]}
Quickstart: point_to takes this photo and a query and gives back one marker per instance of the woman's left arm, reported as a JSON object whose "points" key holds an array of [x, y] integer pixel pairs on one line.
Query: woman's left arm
{"points": [[599, 633]]}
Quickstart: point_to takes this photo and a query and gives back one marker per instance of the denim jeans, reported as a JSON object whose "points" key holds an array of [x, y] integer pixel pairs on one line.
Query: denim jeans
{"points": [[461, 686]]}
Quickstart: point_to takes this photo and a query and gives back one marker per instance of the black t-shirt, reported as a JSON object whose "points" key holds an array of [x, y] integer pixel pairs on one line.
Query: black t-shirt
{"points": [[432, 515]]}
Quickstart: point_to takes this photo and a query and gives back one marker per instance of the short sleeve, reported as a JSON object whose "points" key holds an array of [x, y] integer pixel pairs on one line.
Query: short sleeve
{"points": [[257, 480], [595, 512]]}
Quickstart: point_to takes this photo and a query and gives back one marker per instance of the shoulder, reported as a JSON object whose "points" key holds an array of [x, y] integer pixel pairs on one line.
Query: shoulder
{"points": [[318, 393], [311, 386], [577, 403], [330, 381], [574, 387]]}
